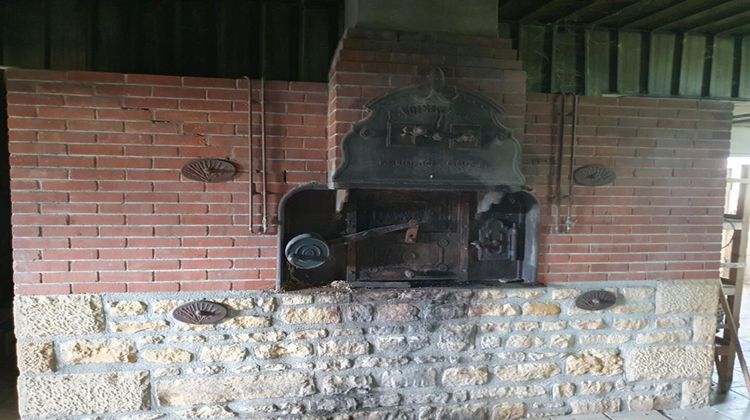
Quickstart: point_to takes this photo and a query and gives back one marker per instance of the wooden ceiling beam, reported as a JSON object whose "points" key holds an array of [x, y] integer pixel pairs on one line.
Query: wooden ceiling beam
{"points": [[732, 25], [672, 13], [517, 9], [554, 10], [634, 12], [712, 14], [596, 10]]}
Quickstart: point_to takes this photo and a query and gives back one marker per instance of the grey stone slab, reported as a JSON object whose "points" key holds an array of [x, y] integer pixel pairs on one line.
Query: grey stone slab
{"points": [[642, 415], [708, 413]]}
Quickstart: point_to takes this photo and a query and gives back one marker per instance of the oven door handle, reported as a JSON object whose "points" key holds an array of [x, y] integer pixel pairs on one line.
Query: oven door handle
{"points": [[374, 232]]}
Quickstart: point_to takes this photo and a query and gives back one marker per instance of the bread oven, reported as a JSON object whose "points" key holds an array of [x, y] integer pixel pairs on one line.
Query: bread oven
{"points": [[429, 193]]}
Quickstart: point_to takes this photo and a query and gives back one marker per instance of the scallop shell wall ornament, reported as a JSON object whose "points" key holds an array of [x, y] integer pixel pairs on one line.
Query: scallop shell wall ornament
{"points": [[200, 312], [209, 170], [595, 300]]}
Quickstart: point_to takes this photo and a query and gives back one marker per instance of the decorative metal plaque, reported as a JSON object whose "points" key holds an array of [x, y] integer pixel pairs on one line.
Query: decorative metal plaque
{"points": [[209, 170], [594, 175], [430, 137], [200, 312], [595, 300]]}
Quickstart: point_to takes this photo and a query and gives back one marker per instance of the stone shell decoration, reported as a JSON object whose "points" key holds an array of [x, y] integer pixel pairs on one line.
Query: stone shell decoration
{"points": [[200, 312]]}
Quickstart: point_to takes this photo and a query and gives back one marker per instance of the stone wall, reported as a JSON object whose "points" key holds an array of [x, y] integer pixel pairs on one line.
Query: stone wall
{"points": [[427, 353]]}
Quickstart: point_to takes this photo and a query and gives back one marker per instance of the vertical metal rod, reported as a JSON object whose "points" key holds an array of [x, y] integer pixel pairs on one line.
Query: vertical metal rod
{"points": [[569, 221], [250, 169], [560, 147], [264, 221]]}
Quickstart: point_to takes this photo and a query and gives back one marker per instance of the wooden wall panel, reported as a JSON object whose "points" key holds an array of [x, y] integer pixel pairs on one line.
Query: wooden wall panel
{"points": [[693, 63], [597, 61], [533, 47], [722, 59], [661, 63], [629, 62], [744, 73]]}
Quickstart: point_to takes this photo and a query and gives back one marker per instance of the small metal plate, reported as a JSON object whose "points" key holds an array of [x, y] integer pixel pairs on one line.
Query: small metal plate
{"points": [[307, 251], [200, 312], [209, 170], [594, 175], [595, 300]]}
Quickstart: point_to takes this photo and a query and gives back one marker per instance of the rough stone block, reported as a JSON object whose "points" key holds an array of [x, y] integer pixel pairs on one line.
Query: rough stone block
{"points": [[408, 379], [343, 384], [587, 324], [50, 316], [523, 341], [562, 391], [464, 376], [231, 353], [77, 394], [36, 357], [98, 351], [164, 306], [598, 339], [669, 362], [138, 326], [325, 315], [505, 309], [127, 308], [526, 372], [662, 337], [630, 324], [540, 309], [222, 389], [166, 356], [282, 350], [508, 411], [245, 322], [695, 394], [398, 312], [595, 387], [594, 362], [704, 329], [595, 406], [206, 412], [564, 293], [637, 293], [343, 348], [687, 296]]}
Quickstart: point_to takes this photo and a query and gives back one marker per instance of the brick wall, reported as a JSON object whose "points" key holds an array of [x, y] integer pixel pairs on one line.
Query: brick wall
{"points": [[99, 204], [661, 219]]}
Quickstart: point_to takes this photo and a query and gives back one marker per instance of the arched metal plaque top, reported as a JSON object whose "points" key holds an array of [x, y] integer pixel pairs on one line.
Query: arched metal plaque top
{"points": [[431, 136]]}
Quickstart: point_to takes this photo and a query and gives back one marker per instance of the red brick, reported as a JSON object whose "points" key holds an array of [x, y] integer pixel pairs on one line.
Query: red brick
{"points": [[99, 287]]}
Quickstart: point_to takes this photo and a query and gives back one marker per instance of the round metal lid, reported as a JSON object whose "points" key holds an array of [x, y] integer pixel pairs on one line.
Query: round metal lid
{"points": [[200, 312], [209, 170], [595, 300], [594, 175], [307, 251]]}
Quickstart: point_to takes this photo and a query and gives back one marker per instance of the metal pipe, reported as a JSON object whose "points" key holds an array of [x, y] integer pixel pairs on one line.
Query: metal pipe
{"points": [[569, 220], [251, 201], [560, 147], [264, 221]]}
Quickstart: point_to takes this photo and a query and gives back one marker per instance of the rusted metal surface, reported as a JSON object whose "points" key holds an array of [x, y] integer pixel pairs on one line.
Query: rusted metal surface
{"points": [[209, 170], [200, 312], [431, 137], [595, 300]]}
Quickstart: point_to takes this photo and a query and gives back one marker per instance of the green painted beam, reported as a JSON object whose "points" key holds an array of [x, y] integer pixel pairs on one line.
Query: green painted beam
{"points": [[677, 11], [536, 55], [725, 24], [629, 62], [597, 61], [661, 63], [692, 65], [634, 12], [596, 10], [564, 65], [722, 63], [744, 82], [709, 15]]}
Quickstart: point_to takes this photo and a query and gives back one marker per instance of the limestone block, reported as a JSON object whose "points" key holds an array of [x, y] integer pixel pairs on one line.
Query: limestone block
{"points": [[335, 364], [636, 308], [162, 372], [300, 299], [164, 306], [282, 350], [455, 337], [343, 348], [495, 327], [397, 312], [342, 384], [669, 362], [464, 376], [523, 341], [206, 412], [508, 411], [596, 387], [540, 309], [526, 326], [315, 315], [687, 296], [238, 304], [695, 394], [663, 337], [594, 362], [561, 341], [187, 339], [595, 406], [138, 326], [671, 322], [489, 342], [630, 324], [544, 356], [261, 337], [407, 379], [491, 295], [127, 308], [641, 402], [704, 329], [587, 324], [145, 340], [637, 293], [554, 326], [505, 309], [563, 293], [114, 350], [35, 357], [50, 316], [245, 322], [526, 293], [230, 353], [562, 391], [77, 394], [341, 332], [308, 334], [359, 313], [222, 389], [526, 372], [166, 356], [597, 339]]}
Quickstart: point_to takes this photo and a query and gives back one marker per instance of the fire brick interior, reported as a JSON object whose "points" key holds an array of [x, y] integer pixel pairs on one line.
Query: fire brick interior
{"points": [[365, 209]]}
